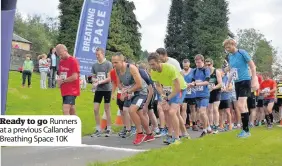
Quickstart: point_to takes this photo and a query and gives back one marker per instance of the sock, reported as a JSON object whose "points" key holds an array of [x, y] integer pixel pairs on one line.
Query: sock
{"points": [[271, 117], [108, 127], [209, 128], [205, 130], [267, 117], [140, 133], [245, 121], [98, 128]]}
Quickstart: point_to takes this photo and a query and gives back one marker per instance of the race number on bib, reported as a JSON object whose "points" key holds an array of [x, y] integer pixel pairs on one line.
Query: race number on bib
{"points": [[211, 85], [101, 76], [189, 91], [234, 73], [199, 88], [280, 90], [167, 90], [63, 75]]}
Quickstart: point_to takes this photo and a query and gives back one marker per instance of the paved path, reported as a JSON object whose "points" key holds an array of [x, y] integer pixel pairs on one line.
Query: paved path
{"points": [[92, 149]]}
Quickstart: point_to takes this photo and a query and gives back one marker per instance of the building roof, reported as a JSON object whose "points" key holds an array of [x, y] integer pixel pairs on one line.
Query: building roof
{"points": [[20, 39]]}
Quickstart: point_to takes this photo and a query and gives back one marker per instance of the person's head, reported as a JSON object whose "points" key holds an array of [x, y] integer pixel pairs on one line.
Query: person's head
{"points": [[28, 57], [62, 51], [43, 56], [118, 60], [100, 54], [266, 75], [162, 54], [199, 61], [230, 45], [154, 61], [52, 50], [209, 63], [186, 64]]}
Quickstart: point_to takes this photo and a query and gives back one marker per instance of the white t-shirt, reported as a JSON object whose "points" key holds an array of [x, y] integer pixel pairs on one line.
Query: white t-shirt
{"points": [[174, 62]]}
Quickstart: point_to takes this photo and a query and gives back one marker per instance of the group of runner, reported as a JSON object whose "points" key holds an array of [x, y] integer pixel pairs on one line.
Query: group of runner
{"points": [[159, 99]]}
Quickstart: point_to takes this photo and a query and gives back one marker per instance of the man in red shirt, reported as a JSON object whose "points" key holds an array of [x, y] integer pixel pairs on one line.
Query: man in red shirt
{"points": [[68, 79], [268, 89]]}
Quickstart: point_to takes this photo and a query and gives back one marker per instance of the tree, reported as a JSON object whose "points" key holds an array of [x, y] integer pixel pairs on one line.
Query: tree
{"points": [[188, 28], [69, 18], [248, 39], [263, 57], [211, 29], [36, 30], [277, 65], [174, 36]]}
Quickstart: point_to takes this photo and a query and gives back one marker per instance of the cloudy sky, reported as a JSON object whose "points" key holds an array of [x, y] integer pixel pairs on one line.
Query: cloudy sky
{"points": [[262, 15]]}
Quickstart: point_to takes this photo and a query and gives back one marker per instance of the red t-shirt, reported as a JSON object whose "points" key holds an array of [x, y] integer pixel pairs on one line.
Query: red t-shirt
{"points": [[268, 85], [114, 79], [66, 68], [259, 78]]}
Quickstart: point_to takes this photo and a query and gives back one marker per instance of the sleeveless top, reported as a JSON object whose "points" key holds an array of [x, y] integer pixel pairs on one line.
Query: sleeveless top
{"points": [[213, 81], [127, 80]]}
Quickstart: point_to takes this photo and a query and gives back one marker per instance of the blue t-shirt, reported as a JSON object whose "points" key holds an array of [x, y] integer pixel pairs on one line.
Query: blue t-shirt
{"points": [[201, 75], [239, 65], [191, 93], [225, 95]]}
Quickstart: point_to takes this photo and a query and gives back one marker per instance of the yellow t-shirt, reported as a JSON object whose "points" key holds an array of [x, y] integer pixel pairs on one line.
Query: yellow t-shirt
{"points": [[168, 74]]}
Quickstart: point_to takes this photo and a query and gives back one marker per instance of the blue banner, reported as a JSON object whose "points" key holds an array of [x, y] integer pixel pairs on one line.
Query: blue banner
{"points": [[8, 10], [92, 32]]}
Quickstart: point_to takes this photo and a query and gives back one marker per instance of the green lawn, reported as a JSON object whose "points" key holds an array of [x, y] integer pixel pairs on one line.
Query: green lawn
{"points": [[35, 101], [263, 148]]}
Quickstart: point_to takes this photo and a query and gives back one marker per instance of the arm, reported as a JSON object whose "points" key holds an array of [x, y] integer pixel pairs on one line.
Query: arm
{"points": [[108, 79], [219, 80], [176, 89], [150, 94], [253, 69], [159, 88], [137, 78], [274, 88]]}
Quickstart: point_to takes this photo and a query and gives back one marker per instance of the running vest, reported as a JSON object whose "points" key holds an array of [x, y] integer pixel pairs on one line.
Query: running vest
{"points": [[127, 81], [279, 90], [213, 81]]}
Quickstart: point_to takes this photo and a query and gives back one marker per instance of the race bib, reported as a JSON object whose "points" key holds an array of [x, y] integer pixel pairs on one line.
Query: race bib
{"points": [[280, 90], [101, 76], [199, 88], [211, 85], [189, 91], [167, 90], [63, 75], [234, 73], [266, 90]]}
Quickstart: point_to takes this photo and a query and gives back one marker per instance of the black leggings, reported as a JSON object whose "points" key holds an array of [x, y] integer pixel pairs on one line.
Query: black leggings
{"points": [[26, 73]]}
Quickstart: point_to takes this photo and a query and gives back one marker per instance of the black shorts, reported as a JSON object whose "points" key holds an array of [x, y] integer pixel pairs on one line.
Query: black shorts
{"points": [[137, 100], [267, 101], [190, 101], [69, 100], [120, 104], [99, 95], [251, 101], [151, 104], [224, 104], [259, 103], [214, 96], [279, 102], [243, 88]]}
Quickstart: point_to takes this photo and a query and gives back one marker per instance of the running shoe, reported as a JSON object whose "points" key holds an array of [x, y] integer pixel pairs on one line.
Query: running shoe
{"points": [[174, 141], [139, 138], [97, 133], [149, 137], [244, 134], [163, 132], [195, 128], [203, 134], [108, 133], [122, 132], [167, 139]]}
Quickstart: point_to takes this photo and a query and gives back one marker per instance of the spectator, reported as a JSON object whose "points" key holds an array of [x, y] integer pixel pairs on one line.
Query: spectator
{"points": [[54, 59], [43, 69], [27, 70]]}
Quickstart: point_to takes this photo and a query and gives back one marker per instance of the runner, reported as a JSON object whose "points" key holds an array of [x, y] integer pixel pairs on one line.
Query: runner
{"points": [[127, 130], [215, 84], [102, 88], [134, 92], [165, 59], [68, 79], [224, 106], [189, 100], [279, 98], [200, 82], [239, 60], [172, 95], [268, 89]]}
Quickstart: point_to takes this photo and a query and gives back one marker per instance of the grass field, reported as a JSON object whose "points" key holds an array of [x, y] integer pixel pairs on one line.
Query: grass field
{"points": [[36, 101], [263, 148]]}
